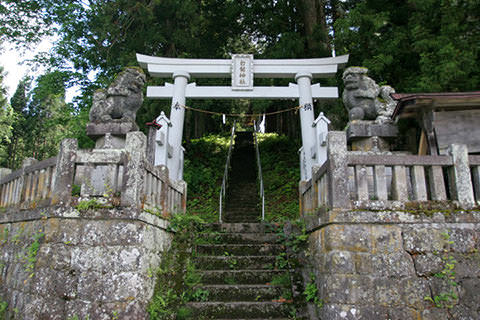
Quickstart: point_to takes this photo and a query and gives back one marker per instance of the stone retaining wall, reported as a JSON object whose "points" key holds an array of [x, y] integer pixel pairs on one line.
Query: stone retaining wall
{"points": [[385, 264], [58, 263]]}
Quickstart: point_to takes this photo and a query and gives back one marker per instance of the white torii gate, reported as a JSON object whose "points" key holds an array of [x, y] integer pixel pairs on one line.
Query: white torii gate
{"points": [[242, 69]]}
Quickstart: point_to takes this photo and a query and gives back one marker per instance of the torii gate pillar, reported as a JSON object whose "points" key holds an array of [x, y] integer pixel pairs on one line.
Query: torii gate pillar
{"points": [[177, 115], [304, 81]]}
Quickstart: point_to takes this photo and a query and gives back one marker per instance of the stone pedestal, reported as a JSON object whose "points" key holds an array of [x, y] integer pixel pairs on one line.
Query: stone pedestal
{"points": [[370, 136], [110, 135]]}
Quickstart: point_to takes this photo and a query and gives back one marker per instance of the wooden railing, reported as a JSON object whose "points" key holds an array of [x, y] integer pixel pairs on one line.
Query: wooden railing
{"points": [[160, 193], [29, 186], [123, 174], [353, 179]]}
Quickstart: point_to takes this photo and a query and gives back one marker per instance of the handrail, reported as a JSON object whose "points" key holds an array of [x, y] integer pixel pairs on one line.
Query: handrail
{"points": [[225, 174], [260, 175]]}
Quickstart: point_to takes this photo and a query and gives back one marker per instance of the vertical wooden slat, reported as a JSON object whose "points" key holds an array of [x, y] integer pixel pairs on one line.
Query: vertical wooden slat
{"points": [[34, 185], [48, 188], [361, 182], [41, 184], [9, 193], [2, 194], [476, 182], [380, 182], [399, 183], [436, 183], [418, 183]]}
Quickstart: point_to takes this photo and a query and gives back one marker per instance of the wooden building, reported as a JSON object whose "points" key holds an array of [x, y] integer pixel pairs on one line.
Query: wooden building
{"points": [[443, 118]]}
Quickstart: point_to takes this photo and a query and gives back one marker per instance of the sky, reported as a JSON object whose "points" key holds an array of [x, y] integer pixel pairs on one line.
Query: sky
{"points": [[11, 60]]}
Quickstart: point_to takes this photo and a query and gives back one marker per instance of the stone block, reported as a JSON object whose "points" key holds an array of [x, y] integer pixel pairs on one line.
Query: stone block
{"points": [[461, 312], [78, 308], [363, 263], [398, 264], [122, 286], [64, 231], [340, 262], [463, 239], [434, 314], [355, 238], [348, 289], [54, 256], [57, 284], [388, 292], [414, 290], [90, 286], [349, 312], [403, 313], [366, 129], [468, 265], [387, 239], [128, 259], [112, 233], [469, 293], [419, 239], [96, 130], [427, 264], [44, 307]]}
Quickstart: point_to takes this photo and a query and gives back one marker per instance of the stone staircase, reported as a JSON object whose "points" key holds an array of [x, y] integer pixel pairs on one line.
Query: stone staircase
{"points": [[237, 258]]}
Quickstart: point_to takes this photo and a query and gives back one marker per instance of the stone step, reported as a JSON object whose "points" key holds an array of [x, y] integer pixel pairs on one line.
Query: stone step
{"points": [[236, 219], [235, 262], [234, 277], [239, 249], [237, 310], [245, 292], [237, 238], [239, 227]]}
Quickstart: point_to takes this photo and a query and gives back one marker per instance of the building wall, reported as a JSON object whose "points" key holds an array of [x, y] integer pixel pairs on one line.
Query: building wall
{"points": [[385, 264], [58, 263]]}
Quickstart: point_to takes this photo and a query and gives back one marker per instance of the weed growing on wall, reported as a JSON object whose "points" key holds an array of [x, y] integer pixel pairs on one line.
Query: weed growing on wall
{"points": [[177, 278], [448, 297]]}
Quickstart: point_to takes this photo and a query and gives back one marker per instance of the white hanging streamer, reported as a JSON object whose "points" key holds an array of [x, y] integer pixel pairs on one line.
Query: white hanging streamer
{"points": [[224, 118]]}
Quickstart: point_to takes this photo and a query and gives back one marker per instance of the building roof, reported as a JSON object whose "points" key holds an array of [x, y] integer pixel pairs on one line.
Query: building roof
{"points": [[409, 103]]}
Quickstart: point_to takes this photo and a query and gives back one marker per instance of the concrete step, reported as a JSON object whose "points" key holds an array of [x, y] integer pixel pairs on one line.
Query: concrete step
{"points": [[239, 249], [236, 310], [237, 238], [245, 292], [235, 262], [234, 277]]}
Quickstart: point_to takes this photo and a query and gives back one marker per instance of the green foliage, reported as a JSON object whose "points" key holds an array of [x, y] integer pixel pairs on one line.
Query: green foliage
{"points": [[311, 292], [177, 279], [280, 175], [203, 173], [90, 204], [30, 257], [3, 309], [415, 45], [447, 298]]}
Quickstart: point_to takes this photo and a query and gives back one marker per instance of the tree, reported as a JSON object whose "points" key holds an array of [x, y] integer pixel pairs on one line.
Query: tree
{"points": [[415, 45], [23, 21], [6, 119]]}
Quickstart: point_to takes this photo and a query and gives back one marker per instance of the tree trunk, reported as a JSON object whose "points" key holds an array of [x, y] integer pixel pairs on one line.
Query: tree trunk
{"points": [[315, 27]]}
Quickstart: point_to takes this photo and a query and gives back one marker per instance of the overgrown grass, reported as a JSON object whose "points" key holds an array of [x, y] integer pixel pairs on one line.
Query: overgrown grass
{"points": [[204, 164], [281, 173]]}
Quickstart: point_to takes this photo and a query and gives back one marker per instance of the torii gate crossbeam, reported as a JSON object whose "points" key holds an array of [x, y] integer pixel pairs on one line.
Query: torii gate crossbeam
{"points": [[242, 69]]}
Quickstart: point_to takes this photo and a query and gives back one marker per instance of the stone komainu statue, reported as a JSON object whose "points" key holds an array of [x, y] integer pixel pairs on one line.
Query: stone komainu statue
{"points": [[121, 100], [364, 99]]}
